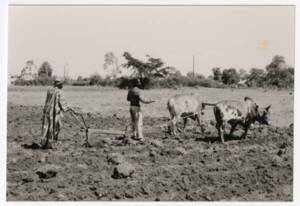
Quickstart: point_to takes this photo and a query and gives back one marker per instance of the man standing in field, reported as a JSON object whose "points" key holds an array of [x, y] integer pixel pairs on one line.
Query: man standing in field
{"points": [[135, 98], [55, 105]]}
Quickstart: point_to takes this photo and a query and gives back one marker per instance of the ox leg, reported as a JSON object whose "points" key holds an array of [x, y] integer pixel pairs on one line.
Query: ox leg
{"points": [[173, 125], [246, 131], [222, 131], [184, 123], [220, 124], [199, 122], [233, 126], [220, 127]]}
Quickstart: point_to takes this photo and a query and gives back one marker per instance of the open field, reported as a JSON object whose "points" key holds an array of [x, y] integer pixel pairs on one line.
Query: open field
{"points": [[189, 167], [108, 101]]}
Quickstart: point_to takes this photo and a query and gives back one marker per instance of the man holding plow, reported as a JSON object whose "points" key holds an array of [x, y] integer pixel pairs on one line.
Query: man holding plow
{"points": [[55, 106]]}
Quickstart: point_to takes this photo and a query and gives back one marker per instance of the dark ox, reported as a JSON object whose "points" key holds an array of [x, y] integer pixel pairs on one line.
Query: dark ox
{"points": [[238, 113], [183, 106]]}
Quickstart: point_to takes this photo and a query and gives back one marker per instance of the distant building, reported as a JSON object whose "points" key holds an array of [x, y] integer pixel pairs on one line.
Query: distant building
{"points": [[29, 72], [242, 83]]}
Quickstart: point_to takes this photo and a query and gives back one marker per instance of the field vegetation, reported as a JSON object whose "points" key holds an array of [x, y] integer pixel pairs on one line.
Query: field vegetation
{"points": [[153, 73]]}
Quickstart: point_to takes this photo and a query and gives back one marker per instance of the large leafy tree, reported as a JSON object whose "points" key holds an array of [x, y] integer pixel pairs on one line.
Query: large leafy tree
{"points": [[279, 74], [230, 76], [146, 70], [45, 70], [217, 74], [256, 78]]}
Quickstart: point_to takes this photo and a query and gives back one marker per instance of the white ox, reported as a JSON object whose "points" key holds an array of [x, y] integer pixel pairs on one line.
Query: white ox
{"points": [[183, 106]]}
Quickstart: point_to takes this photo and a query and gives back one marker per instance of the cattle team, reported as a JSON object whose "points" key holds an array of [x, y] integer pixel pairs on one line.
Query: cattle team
{"points": [[244, 113]]}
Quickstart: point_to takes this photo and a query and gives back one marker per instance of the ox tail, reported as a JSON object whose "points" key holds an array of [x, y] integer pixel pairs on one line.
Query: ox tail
{"points": [[203, 104], [171, 107]]}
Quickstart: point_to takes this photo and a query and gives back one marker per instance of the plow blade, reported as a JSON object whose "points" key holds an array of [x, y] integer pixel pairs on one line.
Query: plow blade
{"points": [[104, 131]]}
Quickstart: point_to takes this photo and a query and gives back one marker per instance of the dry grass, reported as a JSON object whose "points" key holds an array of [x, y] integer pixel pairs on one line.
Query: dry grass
{"points": [[108, 101]]}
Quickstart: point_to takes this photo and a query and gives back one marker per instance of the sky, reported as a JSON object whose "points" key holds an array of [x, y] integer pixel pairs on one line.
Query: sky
{"points": [[78, 37]]}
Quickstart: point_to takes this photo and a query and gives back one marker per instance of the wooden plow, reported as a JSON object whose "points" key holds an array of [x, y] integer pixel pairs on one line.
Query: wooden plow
{"points": [[89, 130], [122, 133]]}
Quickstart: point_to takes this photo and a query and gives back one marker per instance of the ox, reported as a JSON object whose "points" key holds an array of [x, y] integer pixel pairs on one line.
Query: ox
{"points": [[183, 106], [238, 113]]}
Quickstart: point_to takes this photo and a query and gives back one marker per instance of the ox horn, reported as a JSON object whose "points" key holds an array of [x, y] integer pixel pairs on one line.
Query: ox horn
{"points": [[268, 107]]}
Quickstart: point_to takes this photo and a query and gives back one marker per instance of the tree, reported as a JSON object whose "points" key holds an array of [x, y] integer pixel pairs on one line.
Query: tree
{"points": [[287, 78], [256, 78], [230, 76], [243, 74], [217, 74], [95, 79], [111, 62], [29, 72], [148, 70], [45, 70], [172, 71], [277, 62], [279, 74], [291, 70]]}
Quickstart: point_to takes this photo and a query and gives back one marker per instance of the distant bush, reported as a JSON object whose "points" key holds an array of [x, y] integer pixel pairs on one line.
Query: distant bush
{"points": [[39, 81], [122, 82], [95, 79], [165, 83], [183, 81], [21, 82], [211, 83], [81, 83], [44, 81]]}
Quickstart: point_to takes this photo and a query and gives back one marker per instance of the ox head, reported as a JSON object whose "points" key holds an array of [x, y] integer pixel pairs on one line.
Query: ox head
{"points": [[263, 114]]}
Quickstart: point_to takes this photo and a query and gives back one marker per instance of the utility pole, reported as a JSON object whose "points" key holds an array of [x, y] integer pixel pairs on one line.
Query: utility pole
{"points": [[193, 65], [65, 70]]}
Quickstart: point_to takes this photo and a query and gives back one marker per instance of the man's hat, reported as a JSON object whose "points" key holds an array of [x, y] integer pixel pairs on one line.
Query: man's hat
{"points": [[59, 81]]}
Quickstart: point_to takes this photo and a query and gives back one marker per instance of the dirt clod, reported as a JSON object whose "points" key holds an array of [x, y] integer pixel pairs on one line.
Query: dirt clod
{"points": [[123, 170], [46, 175], [115, 158], [156, 143], [180, 151]]}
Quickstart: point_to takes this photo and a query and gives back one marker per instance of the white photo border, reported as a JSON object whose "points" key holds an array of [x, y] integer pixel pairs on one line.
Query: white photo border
{"points": [[3, 92]]}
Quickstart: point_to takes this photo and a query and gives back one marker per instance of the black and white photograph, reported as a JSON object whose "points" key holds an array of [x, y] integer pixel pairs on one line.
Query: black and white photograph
{"points": [[180, 103]]}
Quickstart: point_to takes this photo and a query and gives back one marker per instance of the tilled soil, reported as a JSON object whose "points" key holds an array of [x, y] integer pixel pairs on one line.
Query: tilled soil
{"points": [[189, 167]]}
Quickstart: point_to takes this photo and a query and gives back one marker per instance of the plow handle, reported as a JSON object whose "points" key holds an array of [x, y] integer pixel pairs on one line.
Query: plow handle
{"points": [[74, 114]]}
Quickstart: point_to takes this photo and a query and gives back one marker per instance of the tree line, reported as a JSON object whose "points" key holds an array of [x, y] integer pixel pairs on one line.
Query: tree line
{"points": [[276, 74], [153, 73]]}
